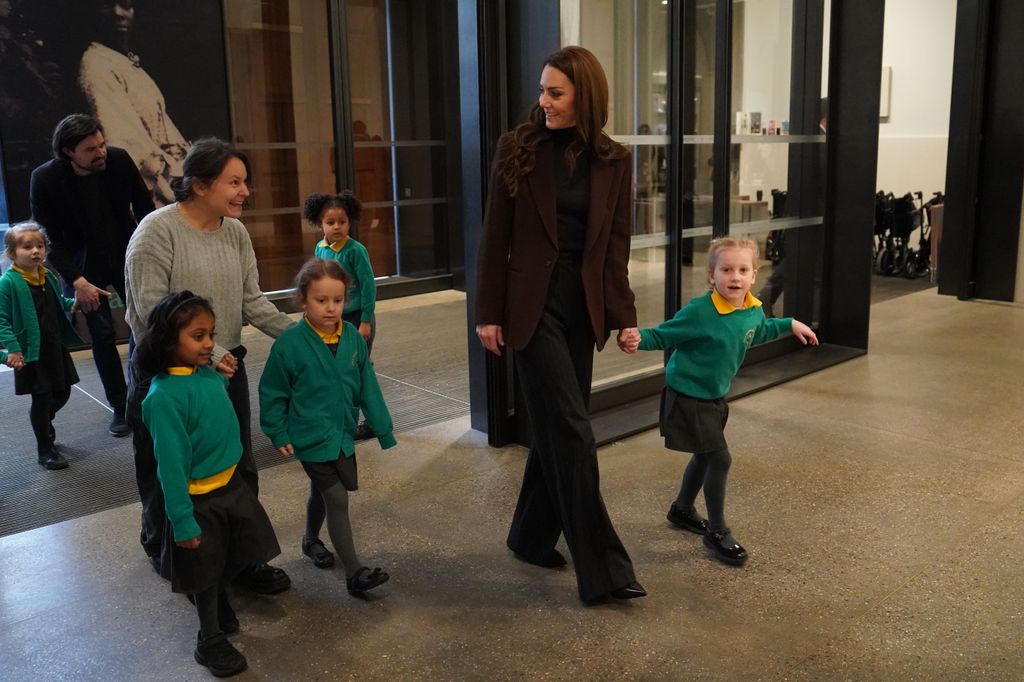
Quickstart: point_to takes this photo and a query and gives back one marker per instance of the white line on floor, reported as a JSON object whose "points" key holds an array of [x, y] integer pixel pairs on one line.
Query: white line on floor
{"points": [[103, 404], [420, 388]]}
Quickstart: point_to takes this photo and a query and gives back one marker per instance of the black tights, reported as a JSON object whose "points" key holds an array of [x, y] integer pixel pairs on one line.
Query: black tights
{"points": [[209, 603], [707, 470], [44, 409]]}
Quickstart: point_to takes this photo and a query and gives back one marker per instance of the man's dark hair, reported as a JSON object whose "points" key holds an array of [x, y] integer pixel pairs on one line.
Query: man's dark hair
{"points": [[72, 130]]}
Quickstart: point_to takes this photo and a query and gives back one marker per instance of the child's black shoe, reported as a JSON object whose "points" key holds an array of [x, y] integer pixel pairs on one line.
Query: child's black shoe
{"points": [[364, 580], [217, 654], [52, 460], [725, 547], [315, 550], [691, 520]]}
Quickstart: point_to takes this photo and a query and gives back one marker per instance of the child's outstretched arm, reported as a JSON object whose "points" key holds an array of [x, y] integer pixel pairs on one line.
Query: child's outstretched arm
{"points": [[804, 333], [670, 333]]}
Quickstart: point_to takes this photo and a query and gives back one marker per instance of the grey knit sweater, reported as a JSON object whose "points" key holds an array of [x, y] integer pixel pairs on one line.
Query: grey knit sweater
{"points": [[166, 253]]}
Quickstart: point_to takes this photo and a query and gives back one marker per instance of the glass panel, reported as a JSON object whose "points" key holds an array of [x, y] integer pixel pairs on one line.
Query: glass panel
{"points": [[420, 172], [399, 127], [631, 41], [423, 240], [761, 56], [278, 61]]}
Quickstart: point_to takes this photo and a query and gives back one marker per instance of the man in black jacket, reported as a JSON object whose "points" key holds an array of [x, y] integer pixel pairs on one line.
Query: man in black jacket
{"points": [[90, 197]]}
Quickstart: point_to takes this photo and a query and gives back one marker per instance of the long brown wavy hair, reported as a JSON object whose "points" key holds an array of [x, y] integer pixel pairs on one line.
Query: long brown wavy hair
{"points": [[517, 156]]}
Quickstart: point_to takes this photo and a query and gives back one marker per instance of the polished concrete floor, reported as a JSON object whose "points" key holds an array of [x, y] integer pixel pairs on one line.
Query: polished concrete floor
{"points": [[880, 501]]}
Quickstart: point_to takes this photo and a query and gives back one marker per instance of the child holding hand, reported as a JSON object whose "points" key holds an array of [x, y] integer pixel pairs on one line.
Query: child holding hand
{"points": [[35, 334], [316, 379], [709, 338], [215, 525]]}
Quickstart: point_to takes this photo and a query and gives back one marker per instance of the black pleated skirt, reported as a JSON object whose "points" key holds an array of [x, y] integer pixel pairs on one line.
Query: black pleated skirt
{"points": [[691, 424], [236, 533]]}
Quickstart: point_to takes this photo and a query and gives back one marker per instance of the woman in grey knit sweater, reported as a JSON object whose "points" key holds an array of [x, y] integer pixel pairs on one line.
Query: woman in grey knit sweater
{"points": [[199, 244]]}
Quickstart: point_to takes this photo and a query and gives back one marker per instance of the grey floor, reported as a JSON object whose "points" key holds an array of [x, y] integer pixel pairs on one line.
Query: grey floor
{"points": [[880, 501]]}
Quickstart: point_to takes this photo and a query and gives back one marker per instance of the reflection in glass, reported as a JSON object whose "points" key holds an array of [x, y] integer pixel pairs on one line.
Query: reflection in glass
{"points": [[398, 110], [278, 63], [631, 41]]}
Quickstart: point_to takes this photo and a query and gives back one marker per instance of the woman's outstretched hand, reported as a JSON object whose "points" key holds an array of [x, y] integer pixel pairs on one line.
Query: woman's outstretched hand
{"points": [[628, 340], [491, 337]]}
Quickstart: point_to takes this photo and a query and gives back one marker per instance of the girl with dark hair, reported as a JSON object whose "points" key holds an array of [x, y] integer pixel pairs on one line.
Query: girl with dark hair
{"points": [[35, 335], [552, 282], [215, 526], [315, 381], [198, 243], [334, 215]]}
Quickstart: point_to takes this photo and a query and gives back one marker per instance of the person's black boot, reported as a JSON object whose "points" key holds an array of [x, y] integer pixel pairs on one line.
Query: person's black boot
{"points": [[217, 654], [50, 459], [119, 426]]}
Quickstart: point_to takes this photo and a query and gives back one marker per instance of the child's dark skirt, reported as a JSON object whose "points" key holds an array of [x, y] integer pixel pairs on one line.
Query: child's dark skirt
{"points": [[236, 533], [691, 424], [326, 474]]}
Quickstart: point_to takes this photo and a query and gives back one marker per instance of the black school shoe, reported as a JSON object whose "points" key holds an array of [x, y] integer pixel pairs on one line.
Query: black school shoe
{"points": [[725, 550], [315, 550], [263, 579], [51, 459], [217, 654], [691, 521], [365, 580]]}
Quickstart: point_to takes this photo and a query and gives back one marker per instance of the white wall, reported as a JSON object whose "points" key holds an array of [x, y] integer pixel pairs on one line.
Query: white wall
{"points": [[918, 46]]}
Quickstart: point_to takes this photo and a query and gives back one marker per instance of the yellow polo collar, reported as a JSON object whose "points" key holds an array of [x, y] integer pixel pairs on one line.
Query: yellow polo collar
{"points": [[326, 338], [182, 371], [336, 246], [37, 280], [723, 306]]}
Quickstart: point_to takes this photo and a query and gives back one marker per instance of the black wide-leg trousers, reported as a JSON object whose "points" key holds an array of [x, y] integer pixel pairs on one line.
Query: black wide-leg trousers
{"points": [[561, 484]]}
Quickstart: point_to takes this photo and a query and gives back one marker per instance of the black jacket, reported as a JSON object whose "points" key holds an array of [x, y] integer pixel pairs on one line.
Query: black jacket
{"points": [[55, 206]]}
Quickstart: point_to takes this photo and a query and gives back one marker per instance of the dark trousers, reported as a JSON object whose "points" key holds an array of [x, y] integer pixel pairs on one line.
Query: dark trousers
{"points": [[561, 484], [104, 346], [154, 515]]}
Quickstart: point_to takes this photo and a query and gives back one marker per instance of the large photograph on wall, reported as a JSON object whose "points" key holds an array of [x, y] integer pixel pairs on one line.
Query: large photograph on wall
{"points": [[153, 72]]}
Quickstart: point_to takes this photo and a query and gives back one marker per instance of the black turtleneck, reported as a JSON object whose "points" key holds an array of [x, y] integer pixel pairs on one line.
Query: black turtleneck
{"points": [[573, 192]]}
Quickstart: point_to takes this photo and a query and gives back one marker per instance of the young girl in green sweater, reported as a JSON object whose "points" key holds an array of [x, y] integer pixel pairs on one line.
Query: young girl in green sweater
{"points": [[215, 525], [316, 379], [334, 215], [709, 338], [35, 334]]}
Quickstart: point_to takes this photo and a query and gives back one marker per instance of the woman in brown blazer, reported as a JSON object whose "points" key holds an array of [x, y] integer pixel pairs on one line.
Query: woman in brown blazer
{"points": [[553, 282]]}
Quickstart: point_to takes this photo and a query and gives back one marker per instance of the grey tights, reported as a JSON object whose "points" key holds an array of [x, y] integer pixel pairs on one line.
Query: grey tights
{"points": [[710, 471], [333, 504]]}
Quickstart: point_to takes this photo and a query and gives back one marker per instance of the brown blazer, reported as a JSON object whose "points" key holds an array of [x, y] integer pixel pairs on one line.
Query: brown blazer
{"points": [[519, 247]]}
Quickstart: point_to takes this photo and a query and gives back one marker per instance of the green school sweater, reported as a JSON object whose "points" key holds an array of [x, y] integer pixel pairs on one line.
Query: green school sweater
{"points": [[195, 435], [354, 259], [19, 324], [311, 399], [708, 345]]}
